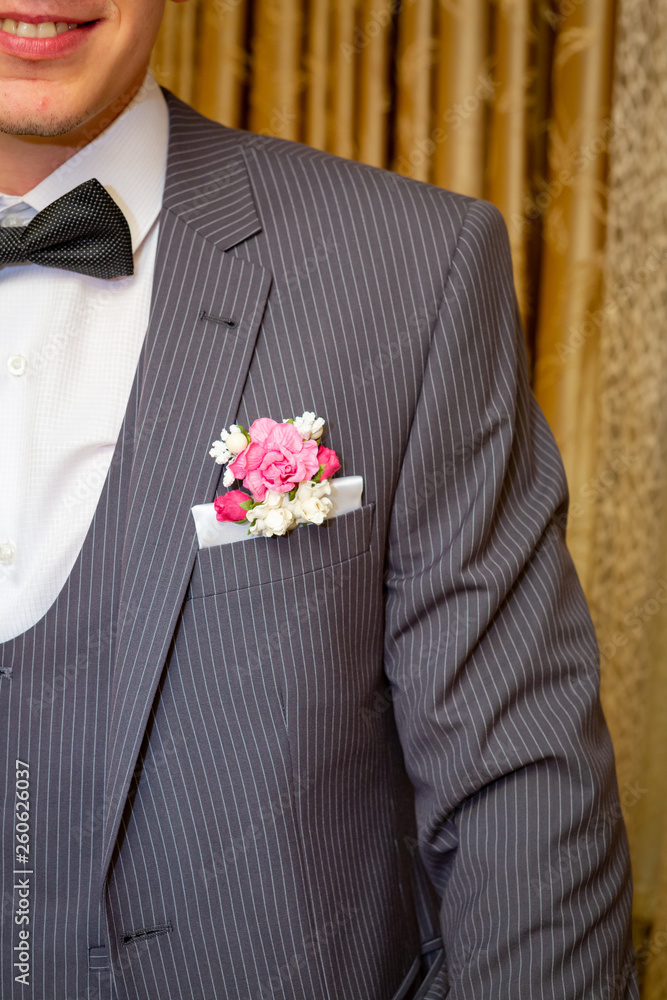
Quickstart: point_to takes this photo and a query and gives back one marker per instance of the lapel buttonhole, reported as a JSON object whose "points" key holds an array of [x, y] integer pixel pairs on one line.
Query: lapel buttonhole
{"points": [[220, 320]]}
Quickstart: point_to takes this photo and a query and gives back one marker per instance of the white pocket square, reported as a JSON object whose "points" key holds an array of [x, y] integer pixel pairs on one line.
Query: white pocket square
{"points": [[345, 493]]}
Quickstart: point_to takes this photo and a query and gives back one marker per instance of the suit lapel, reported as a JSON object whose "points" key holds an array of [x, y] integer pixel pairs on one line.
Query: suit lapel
{"points": [[192, 374]]}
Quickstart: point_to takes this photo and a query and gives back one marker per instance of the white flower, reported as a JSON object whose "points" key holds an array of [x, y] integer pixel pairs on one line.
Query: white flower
{"points": [[228, 478], [312, 505], [315, 511], [309, 426], [220, 453], [275, 499], [273, 516], [233, 429], [312, 489], [231, 442], [278, 521]]}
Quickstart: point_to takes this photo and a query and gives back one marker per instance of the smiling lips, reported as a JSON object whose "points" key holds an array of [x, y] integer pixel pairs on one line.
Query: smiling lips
{"points": [[37, 38]]}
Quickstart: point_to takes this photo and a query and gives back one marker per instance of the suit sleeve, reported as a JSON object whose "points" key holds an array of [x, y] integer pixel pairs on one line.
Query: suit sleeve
{"points": [[493, 663]]}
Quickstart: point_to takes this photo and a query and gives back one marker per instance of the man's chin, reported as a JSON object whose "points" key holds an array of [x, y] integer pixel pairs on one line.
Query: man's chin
{"points": [[40, 126], [54, 109], [39, 108]]}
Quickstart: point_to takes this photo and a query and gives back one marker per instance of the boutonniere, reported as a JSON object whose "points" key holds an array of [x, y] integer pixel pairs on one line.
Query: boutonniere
{"points": [[284, 469]]}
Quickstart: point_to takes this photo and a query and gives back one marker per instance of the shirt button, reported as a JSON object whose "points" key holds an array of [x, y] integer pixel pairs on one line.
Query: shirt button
{"points": [[7, 553], [10, 221], [17, 364]]}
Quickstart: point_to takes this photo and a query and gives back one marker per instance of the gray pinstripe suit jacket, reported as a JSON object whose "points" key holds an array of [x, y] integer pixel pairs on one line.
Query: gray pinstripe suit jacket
{"points": [[320, 719]]}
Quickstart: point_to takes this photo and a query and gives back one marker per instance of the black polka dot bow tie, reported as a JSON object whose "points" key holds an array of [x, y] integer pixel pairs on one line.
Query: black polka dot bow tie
{"points": [[84, 231]]}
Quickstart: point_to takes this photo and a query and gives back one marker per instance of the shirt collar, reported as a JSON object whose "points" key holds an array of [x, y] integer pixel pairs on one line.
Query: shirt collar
{"points": [[129, 159]]}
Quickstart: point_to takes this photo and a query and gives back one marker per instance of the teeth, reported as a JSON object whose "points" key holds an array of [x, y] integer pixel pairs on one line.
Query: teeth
{"points": [[45, 29]]}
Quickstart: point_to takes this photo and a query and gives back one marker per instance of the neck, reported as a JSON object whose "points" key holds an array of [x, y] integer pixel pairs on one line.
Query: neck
{"points": [[25, 160]]}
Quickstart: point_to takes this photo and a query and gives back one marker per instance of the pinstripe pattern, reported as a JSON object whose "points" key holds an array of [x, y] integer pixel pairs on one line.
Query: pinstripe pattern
{"points": [[279, 707], [54, 697]]}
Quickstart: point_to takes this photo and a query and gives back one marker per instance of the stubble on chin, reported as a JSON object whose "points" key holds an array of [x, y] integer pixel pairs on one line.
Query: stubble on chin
{"points": [[41, 127]]}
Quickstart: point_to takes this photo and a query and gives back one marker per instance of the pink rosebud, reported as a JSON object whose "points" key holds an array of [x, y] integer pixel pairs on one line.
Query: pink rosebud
{"points": [[329, 459], [228, 507]]}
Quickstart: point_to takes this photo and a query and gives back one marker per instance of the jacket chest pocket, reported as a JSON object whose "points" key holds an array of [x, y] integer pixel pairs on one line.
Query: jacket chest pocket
{"points": [[290, 615], [256, 562]]}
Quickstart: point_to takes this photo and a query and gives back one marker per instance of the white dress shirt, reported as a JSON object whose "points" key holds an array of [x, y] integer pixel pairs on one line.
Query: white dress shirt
{"points": [[69, 347]]}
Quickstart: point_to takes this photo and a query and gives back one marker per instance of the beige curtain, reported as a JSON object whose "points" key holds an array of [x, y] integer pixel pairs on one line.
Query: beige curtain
{"points": [[555, 110], [628, 568]]}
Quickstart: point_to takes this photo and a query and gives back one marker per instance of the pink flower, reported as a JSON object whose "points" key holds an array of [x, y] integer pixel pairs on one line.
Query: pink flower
{"points": [[277, 459], [228, 507], [329, 459]]}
